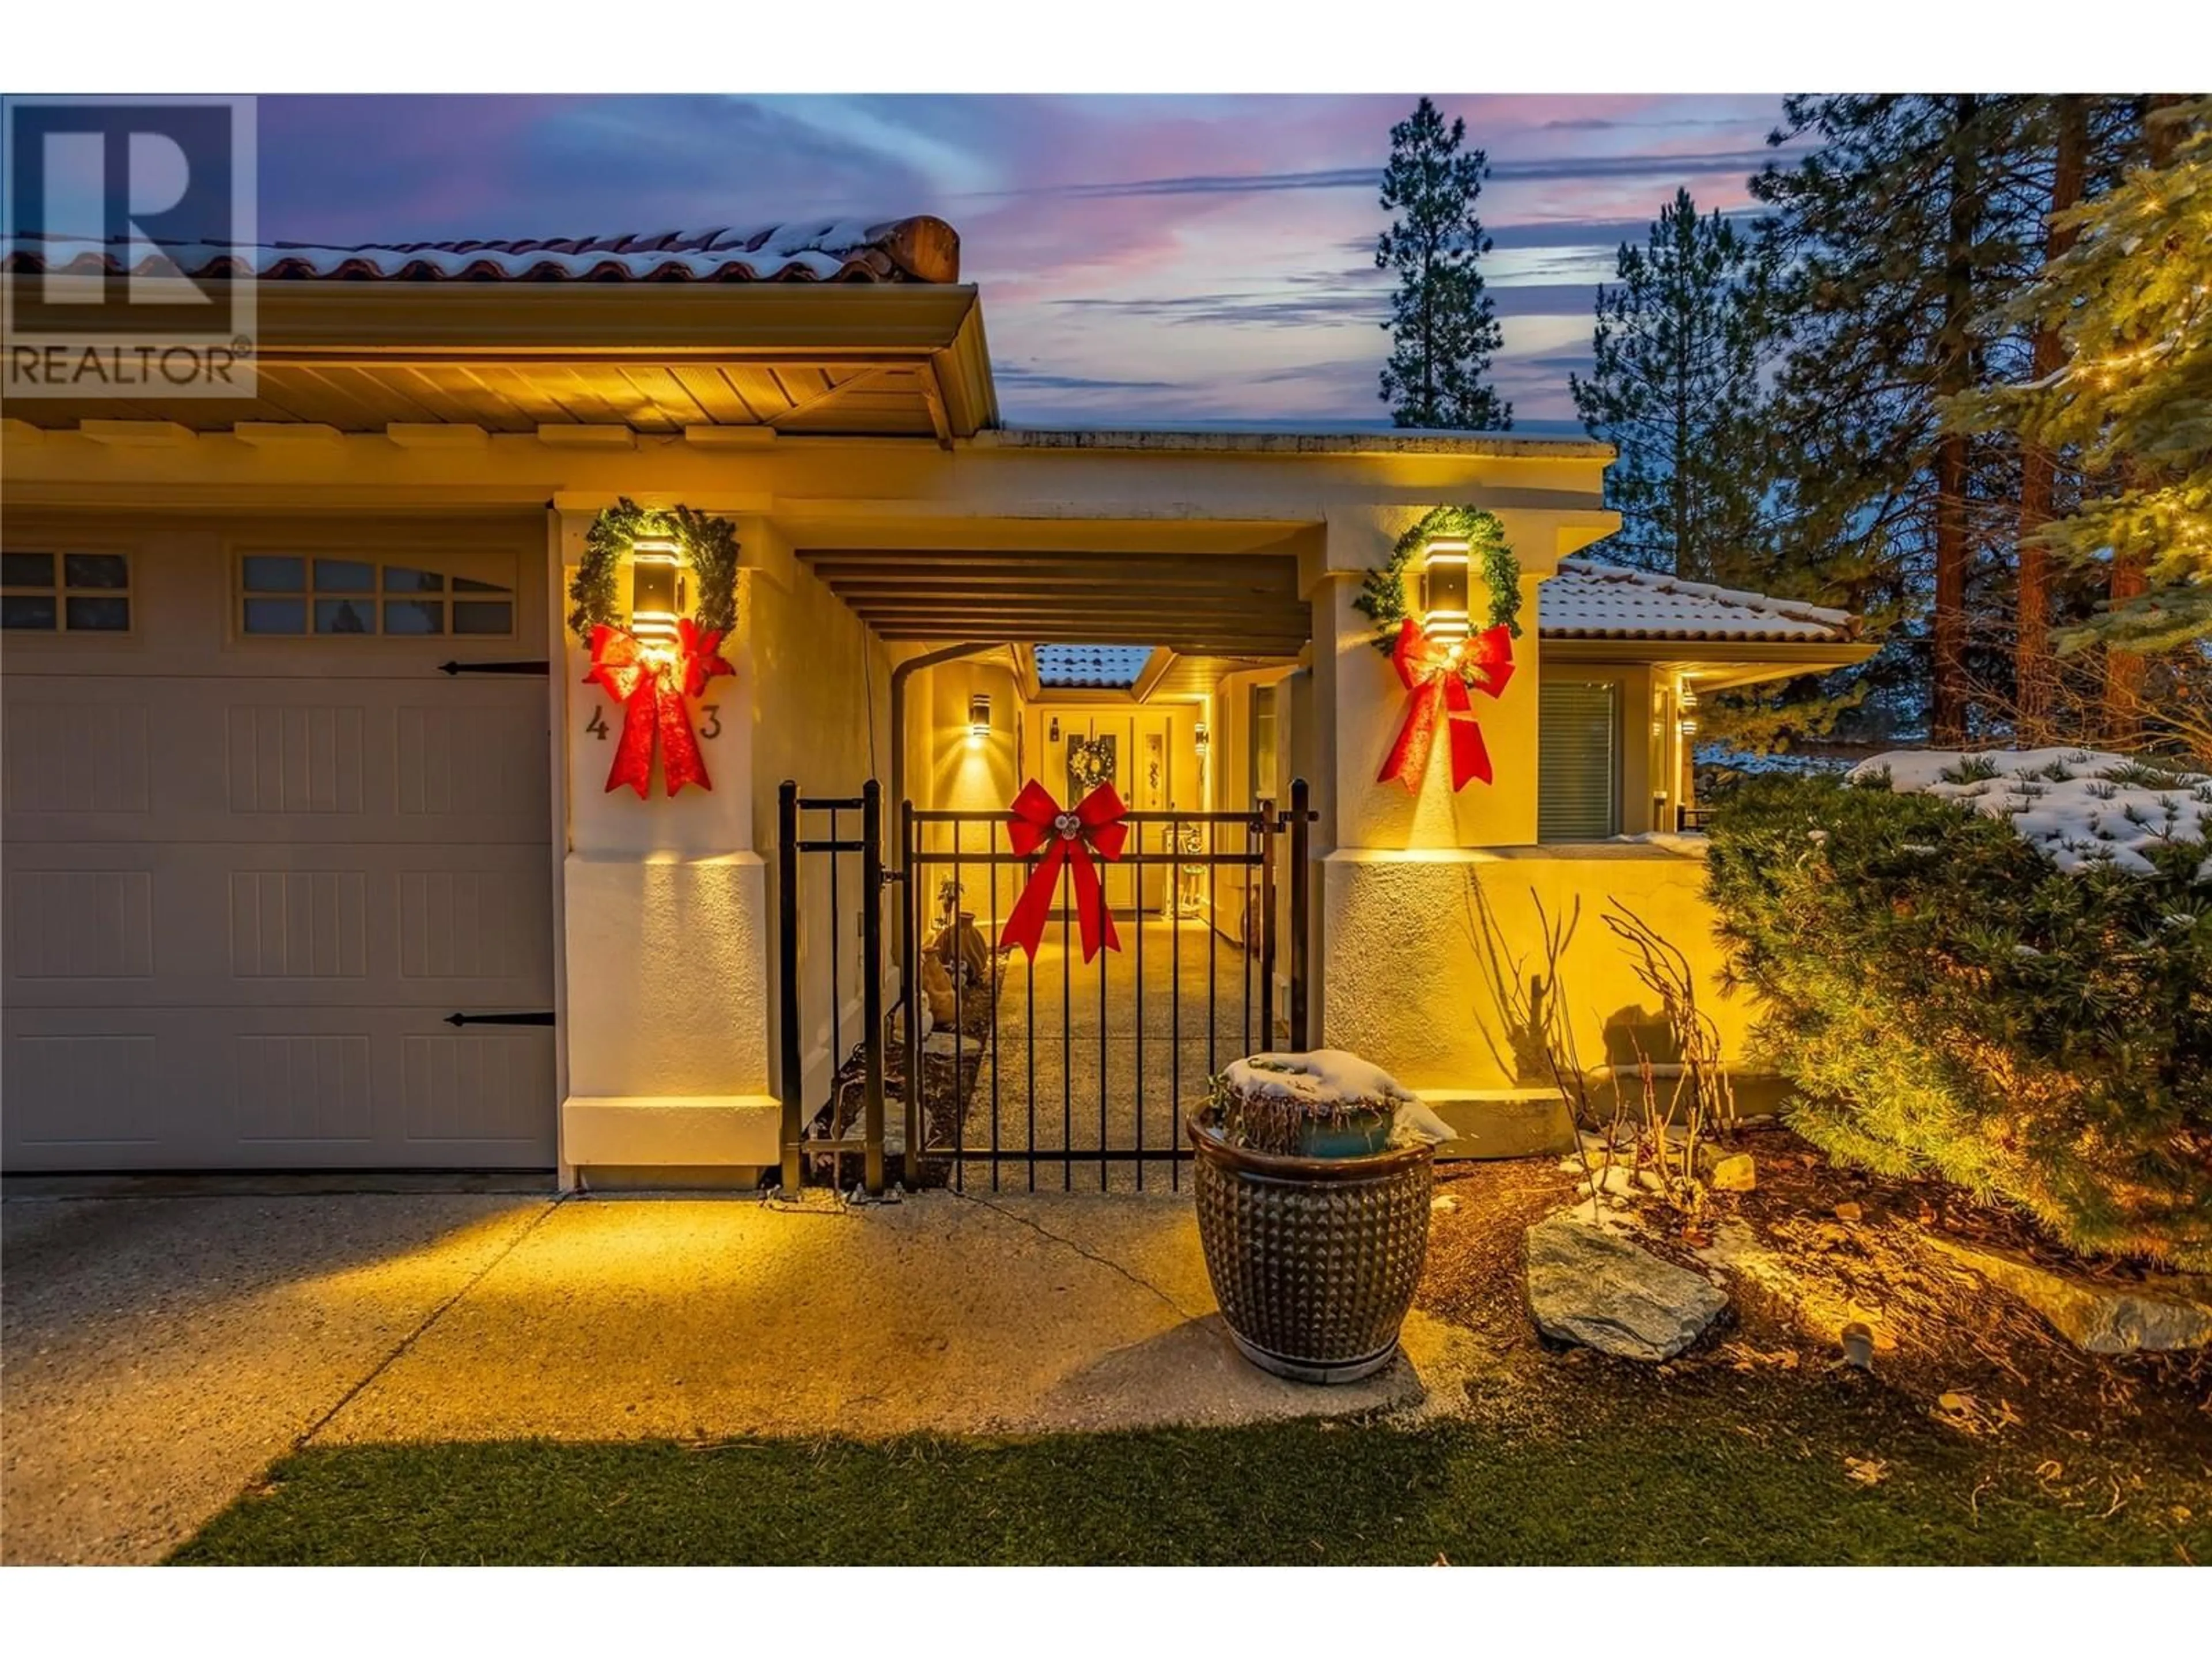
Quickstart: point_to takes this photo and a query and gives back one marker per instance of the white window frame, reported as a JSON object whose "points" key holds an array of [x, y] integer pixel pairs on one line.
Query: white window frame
{"points": [[379, 560]]}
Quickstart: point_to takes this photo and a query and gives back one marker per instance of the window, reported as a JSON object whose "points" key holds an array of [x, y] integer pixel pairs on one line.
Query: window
{"points": [[1577, 760], [1263, 743], [65, 592], [294, 593]]}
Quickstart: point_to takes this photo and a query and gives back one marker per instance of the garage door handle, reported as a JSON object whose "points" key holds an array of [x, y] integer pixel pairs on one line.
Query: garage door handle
{"points": [[542, 1017], [540, 666]]}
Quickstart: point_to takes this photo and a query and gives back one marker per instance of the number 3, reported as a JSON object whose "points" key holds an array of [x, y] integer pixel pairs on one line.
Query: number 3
{"points": [[713, 728]]}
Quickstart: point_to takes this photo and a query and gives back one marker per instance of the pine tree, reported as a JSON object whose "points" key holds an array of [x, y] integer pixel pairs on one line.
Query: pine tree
{"points": [[1674, 387], [1441, 324], [2035, 681], [2130, 301], [1897, 236]]}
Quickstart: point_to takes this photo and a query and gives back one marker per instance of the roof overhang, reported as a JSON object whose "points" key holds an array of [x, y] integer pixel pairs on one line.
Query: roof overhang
{"points": [[886, 359], [1713, 665]]}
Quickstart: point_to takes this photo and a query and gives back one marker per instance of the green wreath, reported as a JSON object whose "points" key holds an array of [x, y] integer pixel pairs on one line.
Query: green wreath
{"points": [[710, 549], [1383, 595]]}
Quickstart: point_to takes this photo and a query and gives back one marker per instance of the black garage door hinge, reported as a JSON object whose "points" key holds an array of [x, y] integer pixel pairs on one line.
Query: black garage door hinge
{"points": [[542, 1017], [539, 667]]}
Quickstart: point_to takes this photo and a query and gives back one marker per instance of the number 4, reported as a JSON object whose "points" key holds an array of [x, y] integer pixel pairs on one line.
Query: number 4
{"points": [[597, 725]]}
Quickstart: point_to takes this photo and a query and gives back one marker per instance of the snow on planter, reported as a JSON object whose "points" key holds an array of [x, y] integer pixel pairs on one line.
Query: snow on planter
{"points": [[1325, 1083], [2080, 807]]}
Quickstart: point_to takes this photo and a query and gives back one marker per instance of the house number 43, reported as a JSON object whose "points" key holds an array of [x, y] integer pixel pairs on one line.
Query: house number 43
{"points": [[711, 712]]}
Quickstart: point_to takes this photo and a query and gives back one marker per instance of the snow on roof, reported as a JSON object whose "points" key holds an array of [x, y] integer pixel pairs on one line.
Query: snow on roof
{"points": [[919, 249], [1114, 667], [1590, 600], [2081, 807]]}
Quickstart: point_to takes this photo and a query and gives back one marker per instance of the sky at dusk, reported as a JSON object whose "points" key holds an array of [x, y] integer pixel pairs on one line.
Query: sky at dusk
{"points": [[1145, 258]]}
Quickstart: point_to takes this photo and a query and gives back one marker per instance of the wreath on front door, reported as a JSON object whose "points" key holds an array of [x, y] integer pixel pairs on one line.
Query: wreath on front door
{"points": [[654, 679]]}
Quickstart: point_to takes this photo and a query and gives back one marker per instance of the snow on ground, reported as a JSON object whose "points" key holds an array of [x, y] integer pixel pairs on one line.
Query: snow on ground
{"points": [[2079, 806]]}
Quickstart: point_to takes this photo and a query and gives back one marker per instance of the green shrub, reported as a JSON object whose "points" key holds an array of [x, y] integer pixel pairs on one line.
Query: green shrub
{"points": [[1947, 1000]]}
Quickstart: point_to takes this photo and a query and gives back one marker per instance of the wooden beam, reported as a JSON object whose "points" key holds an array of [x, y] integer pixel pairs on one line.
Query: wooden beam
{"points": [[138, 434], [981, 561], [1100, 581]]}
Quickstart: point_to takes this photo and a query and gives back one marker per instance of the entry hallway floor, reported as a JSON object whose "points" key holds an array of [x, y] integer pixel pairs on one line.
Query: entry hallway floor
{"points": [[161, 1343]]}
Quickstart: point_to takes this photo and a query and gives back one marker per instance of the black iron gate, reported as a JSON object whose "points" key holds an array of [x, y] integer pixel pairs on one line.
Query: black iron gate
{"points": [[1041, 1061]]}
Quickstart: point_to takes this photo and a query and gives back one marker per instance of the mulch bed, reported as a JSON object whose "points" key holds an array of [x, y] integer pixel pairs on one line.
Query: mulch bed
{"points": [[1974, 1361]]}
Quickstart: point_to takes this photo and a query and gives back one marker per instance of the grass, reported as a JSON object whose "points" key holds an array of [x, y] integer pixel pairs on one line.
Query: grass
{"points": [[1712, 1489]]}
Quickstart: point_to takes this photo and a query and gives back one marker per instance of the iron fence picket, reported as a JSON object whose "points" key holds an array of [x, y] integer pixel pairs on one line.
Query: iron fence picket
{"points": [[1267, 846]]}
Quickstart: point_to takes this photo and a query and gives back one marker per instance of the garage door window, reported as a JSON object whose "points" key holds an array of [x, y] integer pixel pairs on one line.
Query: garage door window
{"points": [[297, 593], [65, 592]]}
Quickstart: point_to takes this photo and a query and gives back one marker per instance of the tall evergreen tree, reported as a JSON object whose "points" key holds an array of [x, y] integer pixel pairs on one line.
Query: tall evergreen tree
{"points": [[2034, 678], [1441, 326], [1897, 236], [1674, 387], [2125, 293]]}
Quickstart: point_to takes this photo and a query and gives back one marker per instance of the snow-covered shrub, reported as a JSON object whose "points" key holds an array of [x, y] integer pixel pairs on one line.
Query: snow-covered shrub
{"points": [[2010, 988]]}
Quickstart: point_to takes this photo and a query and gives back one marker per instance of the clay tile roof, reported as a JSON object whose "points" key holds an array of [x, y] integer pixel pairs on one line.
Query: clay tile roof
{"points": [[1589, 600], [916, 250]]}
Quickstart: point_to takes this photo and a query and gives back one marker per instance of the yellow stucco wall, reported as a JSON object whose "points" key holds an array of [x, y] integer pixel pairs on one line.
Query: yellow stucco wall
{"points": [[1433, 952]]}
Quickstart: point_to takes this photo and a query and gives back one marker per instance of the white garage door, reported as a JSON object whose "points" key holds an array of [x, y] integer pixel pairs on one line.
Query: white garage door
{"points": [[258, 846]]}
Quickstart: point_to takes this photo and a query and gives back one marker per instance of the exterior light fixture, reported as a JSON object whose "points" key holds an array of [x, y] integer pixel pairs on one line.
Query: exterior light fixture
{"points": [[1687, 698], [979, 717], [1203, 737], [656, 590], [1052, 736], [1443, 588]]}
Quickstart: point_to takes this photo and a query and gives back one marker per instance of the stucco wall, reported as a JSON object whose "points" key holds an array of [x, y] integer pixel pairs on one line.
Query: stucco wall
{"points": [[949, 768], [821, 713], [1428, 949]]}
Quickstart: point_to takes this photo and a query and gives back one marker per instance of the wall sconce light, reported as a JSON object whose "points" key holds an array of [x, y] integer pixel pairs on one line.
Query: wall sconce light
{"points": [[656, 589], [979, 717], [1052, 736], [1443, 588], [1687, 726], [1687, 699], [1203, 737]]}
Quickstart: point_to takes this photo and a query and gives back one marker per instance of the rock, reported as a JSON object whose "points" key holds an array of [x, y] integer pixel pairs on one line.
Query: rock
{"points": [[1649, 1179], [2101, 1318], [940, 1044], [1443, 1202], [1726, 1171], [1618, 1180], [1587, 1286], [1858, 1346], [1850, 1211]]}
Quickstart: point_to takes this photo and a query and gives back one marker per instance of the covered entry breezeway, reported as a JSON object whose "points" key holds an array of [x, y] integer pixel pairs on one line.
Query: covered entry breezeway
{"points": [[1070, 666]]}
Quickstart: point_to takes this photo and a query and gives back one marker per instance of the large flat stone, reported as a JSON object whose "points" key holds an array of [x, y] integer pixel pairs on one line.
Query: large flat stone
{"points": [[1586, 1285], [2099, 1317]]}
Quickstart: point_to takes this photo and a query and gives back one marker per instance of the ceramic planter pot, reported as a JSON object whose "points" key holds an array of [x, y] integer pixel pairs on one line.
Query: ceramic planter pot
{"points": [[1313, 1259]]}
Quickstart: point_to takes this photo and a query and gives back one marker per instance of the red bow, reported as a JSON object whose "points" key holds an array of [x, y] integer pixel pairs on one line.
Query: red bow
{"points": [[1068, 838], [1436, 674], [652, 686]]}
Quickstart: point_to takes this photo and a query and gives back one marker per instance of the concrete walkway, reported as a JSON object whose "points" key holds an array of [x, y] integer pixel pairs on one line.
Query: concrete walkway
{"points": [[156, 1353], [1075, 1070]]}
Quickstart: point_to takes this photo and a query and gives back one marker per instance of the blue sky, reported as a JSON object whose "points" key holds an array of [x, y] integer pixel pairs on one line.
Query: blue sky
{"points": [[1151, 258]]}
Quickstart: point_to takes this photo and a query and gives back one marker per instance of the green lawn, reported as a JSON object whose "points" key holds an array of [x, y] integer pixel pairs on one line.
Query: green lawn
{"points": [[1712, 1489]]}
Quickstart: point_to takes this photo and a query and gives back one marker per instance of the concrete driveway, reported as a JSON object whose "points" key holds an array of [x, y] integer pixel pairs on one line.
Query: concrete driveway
{"points": [[160, 1345]]}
